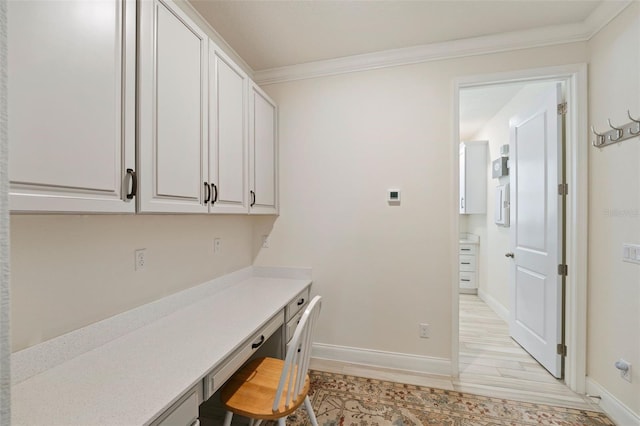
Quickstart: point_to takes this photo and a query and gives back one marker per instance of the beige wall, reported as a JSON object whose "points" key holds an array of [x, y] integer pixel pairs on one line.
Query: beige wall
{"points": [[68, 271], [494, 240], [614, 209], [344, 140]]}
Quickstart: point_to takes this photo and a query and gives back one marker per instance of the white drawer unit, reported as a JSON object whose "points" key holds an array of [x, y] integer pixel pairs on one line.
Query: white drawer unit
{"points": [[468, 249], [468, 264], [184, 412], [214, 380]]}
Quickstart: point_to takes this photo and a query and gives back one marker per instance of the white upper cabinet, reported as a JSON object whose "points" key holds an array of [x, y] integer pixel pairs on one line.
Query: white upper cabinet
{"points": [[263, 153], [473, 177], [71, 100], [172, 110], [228, 148]]}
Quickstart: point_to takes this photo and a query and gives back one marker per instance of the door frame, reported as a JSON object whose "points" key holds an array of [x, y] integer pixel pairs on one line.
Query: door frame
{"points": [[576, 162]]}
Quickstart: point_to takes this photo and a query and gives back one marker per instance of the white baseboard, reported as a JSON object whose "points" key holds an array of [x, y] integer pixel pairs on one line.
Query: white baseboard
{"points": [[493, 303], [619, 412], [398, 361]]}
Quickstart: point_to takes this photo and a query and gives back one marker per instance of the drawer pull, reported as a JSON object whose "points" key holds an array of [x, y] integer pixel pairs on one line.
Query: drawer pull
{"points": [[214, 197], [207, 191], [301, 302], [465, 280], [466, 263], [464, 249], [258, 344], [134, 184]]}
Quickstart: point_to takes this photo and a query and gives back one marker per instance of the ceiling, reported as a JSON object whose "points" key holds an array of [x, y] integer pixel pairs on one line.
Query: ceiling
{"points": [[271, 34], [479, 105]]}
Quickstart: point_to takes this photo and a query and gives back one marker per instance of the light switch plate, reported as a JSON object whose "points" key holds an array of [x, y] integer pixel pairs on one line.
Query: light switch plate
{"points": [[631, 253]]}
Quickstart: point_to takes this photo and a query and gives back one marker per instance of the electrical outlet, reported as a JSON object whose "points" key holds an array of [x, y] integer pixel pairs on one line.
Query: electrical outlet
{"points": [[425, 331], [265, 241], [625, 369], [217, 245], [141, 259]]}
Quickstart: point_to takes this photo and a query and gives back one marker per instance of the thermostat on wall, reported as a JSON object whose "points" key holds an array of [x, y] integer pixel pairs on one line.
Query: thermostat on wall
{"points": [[393, 196]]}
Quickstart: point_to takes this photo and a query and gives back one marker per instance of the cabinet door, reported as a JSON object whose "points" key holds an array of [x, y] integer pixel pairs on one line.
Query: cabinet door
{"points": [[473, 177], [228, 156], [263, 142], [71, 67], [172, 110]]}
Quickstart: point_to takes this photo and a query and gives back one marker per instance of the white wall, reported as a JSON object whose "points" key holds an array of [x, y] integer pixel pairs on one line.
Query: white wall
{"points": [[343, 141], [614, 209], [5, 345], [68, 271], [494, 239]]}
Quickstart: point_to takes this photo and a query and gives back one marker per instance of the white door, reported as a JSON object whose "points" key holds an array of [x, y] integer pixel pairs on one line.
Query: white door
{"points": [[264, 154], [172, 110], [72, 105], [228, 148], [536, 234]]}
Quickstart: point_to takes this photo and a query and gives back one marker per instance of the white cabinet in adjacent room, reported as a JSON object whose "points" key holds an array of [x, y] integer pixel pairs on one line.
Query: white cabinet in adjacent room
{"points": [[172, 110], [71, 103], [468, 263], [473, 177], [228, 147], [263, 153]]}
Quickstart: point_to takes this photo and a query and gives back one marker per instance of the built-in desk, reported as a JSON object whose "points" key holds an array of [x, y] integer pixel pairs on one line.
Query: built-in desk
{"points": [[135, 378]]}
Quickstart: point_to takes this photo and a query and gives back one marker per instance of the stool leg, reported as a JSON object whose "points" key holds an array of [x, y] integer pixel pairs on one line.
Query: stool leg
{"points": [[227, 418], [312, 415], [282, 421]]}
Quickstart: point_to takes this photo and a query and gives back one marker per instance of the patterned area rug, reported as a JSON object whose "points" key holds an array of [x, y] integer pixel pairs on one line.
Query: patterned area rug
{"points": [[349, 401]]}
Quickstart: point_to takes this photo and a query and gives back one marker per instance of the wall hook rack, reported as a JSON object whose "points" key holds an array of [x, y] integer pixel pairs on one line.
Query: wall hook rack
{"points": [[616, 134]]}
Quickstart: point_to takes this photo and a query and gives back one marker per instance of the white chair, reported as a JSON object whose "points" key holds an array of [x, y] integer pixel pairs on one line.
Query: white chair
{"points": [[270, 388]]}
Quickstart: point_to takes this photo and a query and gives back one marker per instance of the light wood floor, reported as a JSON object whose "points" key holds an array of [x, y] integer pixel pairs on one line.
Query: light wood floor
{"points": [[491, 364]]}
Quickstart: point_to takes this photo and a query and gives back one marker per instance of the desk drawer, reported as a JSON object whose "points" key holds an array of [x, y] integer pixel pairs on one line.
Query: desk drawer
{"points": [[296, 304], [233, 362], [292, 324], [184, 412], [467, 263]]}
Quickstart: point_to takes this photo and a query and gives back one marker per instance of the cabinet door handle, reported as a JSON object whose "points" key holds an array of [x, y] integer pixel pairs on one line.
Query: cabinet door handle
{"points": [[301, 302], [134, 184], [259, 343], [511, 255], [253, 199], [207, 191], [462, 202], [215, 192]]}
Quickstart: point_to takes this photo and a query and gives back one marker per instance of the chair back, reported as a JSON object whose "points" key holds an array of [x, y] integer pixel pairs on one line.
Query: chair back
{"points": [[296, 363]]}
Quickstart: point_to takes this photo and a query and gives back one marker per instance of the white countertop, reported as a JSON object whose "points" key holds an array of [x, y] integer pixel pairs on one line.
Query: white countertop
{"points": [[134, 378]]}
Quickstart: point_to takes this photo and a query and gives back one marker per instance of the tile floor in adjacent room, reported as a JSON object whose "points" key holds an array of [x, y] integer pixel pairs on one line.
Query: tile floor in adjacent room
{"points": [[491, 364]]}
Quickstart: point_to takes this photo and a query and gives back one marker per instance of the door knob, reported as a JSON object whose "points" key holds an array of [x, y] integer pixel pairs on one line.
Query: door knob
{"points": [[511, 255]]}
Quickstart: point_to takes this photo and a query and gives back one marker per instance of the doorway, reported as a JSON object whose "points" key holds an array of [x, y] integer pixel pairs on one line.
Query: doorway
{"points": [[492, 278]]}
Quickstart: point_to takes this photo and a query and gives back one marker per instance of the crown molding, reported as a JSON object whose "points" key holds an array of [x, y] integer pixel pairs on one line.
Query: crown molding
{"points": [[539, 37]]}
